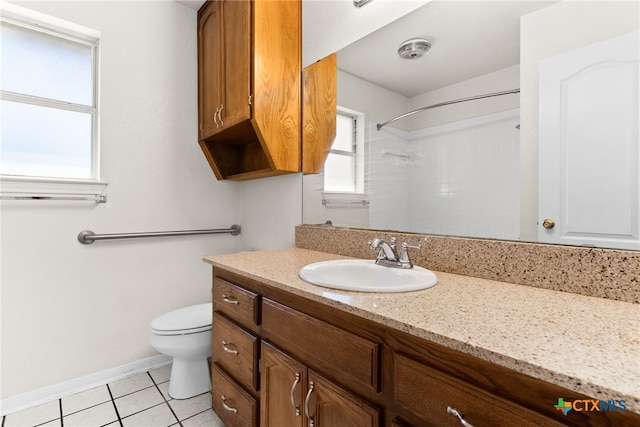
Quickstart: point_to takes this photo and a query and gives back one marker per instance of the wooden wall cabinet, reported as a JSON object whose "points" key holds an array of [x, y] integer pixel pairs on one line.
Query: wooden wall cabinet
{"points": [[249, 87], [294, 353], [319, 109]]}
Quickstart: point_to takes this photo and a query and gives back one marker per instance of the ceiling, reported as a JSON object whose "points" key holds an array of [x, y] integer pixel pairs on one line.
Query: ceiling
{"points": [[469, 38]]}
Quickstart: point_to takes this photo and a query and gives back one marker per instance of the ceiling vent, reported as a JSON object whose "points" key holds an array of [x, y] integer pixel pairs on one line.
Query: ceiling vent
{"points": [[414, 48]]}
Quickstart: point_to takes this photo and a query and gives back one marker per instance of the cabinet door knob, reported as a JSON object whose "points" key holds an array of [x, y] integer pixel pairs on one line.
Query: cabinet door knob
{"points": [[292, 396], [456, 413], [226, 406], [548, 223], [306, 405]]}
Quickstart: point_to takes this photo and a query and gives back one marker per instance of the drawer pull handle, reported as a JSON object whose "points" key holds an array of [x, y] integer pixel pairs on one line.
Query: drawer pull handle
{"points": [[291, 395], [306, 405], [229, 348], [229, 300], [227, 407], [456, 413]]}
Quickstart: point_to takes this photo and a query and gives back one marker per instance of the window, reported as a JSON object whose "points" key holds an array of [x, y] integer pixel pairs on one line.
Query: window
{"points": [[343, 169], [48, 96]]}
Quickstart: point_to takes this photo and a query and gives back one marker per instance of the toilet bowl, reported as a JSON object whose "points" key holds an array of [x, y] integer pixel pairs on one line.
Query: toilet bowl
{"points": [[185, 335]]}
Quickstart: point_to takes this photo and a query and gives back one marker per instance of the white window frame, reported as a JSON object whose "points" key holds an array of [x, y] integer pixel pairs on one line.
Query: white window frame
{"points": [[30, 186], [358, 153]]}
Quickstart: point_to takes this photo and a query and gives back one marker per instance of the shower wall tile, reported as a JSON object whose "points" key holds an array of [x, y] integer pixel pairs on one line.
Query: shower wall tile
{"points": [[456, 179]]}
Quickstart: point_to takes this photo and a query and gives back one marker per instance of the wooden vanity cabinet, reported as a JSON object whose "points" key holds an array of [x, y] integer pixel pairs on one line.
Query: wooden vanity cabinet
{"points": [[356, 372], [249, 87]]}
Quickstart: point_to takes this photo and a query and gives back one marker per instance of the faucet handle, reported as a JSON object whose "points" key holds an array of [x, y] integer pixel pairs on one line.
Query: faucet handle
{"points": [[404, 255], [406, 245]]}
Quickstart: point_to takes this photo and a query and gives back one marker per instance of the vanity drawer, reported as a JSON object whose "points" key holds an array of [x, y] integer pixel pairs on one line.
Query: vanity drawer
{"points": [[234, 406], [427, 393], [236, 351], [236, 302], [340, 354]]}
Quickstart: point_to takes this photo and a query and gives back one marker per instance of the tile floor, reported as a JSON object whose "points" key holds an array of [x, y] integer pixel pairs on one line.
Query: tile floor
{"points": [[137, 401]]}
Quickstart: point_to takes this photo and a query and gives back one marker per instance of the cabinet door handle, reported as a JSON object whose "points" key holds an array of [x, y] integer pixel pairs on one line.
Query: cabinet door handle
{"points": [[456, 413], [291, 395], [220, 115], [229, 300], [229, 348], [227, 407], [306, 405], [215, 117]]}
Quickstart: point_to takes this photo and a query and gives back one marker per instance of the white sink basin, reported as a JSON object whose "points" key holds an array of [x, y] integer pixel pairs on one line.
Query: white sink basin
{"points": [[366, 276]]}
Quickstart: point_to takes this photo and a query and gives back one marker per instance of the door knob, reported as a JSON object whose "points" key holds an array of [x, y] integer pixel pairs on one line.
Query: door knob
{"points": [[548, 223]]}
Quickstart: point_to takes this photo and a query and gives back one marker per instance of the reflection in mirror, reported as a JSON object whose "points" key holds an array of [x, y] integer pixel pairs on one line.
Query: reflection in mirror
{"points": [[459, 169]]}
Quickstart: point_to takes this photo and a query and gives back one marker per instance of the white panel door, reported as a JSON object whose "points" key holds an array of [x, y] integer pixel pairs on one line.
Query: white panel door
{"points": [[589, 183]]}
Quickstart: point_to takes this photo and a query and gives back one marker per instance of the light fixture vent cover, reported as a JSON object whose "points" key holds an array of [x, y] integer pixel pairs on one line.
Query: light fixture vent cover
{"points": [[360, 3], [414, 48]]}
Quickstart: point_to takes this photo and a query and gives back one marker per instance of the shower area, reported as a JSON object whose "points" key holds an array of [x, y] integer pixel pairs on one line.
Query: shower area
{"points": [[457, 179], [450, 166]]}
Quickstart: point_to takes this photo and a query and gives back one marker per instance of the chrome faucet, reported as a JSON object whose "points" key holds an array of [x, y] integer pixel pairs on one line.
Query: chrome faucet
{"points": [[387, 254]]}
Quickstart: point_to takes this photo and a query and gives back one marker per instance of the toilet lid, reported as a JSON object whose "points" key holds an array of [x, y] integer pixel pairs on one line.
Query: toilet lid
{"points": [[183, 319]]}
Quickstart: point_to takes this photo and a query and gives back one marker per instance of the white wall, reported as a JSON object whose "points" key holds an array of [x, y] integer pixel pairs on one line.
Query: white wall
{"points": [[68, 309], [556, 29], [270, 210]]}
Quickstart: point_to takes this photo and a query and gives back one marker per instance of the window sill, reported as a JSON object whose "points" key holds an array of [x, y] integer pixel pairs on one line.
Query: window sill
{"points": [[17, 188]]}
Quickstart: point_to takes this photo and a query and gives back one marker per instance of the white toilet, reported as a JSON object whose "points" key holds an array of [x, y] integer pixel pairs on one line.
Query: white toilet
{"points": [[185, 334]]}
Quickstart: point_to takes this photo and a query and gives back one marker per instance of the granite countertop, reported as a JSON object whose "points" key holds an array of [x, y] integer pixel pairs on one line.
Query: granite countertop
{"points": [[590, 345]]}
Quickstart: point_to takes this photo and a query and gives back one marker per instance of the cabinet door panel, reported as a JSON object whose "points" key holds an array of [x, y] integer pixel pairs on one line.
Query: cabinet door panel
{"points": [[237, 65], [331, 405], [283, 384], [210, 48], [319, 111]]}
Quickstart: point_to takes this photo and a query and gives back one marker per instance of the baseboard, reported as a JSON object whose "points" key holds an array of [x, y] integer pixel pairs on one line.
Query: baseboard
{"points": [[67, 388]]}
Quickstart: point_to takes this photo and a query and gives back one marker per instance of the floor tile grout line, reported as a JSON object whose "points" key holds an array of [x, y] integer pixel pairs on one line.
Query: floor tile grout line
{"points": [[135, 391], [60, 408], [83, 409], [165, 399], [113, 402], [199, 413]]}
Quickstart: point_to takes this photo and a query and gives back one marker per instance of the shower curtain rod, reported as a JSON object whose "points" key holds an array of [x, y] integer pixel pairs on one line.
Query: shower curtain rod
{"points": [[442, 104]]}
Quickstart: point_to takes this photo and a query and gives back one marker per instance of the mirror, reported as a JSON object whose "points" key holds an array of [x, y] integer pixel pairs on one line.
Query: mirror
{"points": [[465, 169]]}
